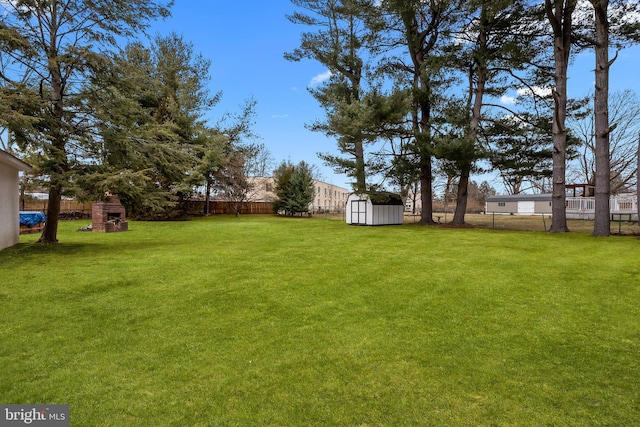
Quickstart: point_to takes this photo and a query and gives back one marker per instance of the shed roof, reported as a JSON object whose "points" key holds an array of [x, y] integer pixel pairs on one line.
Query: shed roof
{"points": [[520, 198], [382, 198], [9, 160]]}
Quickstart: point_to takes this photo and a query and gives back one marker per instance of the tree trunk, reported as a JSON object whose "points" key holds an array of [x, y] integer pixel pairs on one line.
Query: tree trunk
{"points": [[559, 196], [559, 14], [477, 96], [58, 155], [462, 197], [420, 44], [601, 225], [207, 198], [361, 181], [414, 196], [50, 230], [422, 128], [426, 191]]}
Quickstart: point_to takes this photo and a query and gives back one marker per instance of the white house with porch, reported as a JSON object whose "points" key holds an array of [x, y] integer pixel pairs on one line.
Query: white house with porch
{"points": [[621, 206]]}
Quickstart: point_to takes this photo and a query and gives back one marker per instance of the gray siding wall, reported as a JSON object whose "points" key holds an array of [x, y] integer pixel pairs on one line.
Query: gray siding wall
{"points": [[543, 207], [509, 207]]}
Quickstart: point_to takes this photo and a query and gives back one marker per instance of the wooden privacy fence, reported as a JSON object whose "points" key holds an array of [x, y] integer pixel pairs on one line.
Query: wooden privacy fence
{"points": [[66, 206], [194, 207], [229, 208]]}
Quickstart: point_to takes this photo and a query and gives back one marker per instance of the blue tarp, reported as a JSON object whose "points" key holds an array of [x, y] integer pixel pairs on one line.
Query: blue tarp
{"points": [[31, 218]]}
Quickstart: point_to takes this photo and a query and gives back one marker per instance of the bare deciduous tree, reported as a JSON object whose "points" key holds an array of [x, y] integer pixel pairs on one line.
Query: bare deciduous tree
{"points": [[233, 181], [624, 114]]}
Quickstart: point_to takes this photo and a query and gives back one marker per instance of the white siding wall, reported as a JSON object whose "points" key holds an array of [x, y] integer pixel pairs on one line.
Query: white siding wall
{"points": [[387, 214], [543, 207], [501, 207], [9, 206]]}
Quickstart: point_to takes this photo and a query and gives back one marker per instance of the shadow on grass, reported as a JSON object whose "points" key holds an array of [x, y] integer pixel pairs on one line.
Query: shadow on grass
{"points": [[33, 249], [59, 248]]}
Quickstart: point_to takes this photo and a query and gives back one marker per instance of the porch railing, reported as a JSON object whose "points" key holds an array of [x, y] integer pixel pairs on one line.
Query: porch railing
{"points": [[617, 204]]}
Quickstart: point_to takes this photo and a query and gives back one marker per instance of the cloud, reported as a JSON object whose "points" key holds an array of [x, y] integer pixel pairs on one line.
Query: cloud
{"points": [[320, 78], [541, 91], [507, 100], [536, 90]]}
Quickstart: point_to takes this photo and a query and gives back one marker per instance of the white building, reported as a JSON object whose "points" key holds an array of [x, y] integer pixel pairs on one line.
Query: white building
{"points": [[10, 198], [327, 198], [621, 206], [519, 204]]}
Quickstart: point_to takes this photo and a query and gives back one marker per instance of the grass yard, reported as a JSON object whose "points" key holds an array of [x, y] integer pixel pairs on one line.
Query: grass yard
{"points": [[264, 321]]}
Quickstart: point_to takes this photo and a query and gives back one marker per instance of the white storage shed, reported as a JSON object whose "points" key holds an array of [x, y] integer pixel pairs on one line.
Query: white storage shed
{"points": [[375, 209], [10, 198]]}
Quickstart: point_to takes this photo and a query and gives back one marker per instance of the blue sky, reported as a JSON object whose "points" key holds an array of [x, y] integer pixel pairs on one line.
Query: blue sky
{"points": [[246, 40]]}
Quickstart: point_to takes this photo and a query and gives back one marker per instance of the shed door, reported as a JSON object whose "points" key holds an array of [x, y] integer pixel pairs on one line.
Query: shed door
{"points": [[359, 212], [526, 208]]}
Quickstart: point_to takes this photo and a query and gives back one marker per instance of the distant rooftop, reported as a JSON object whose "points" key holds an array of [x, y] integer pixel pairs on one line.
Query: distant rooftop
{"points": [[520, 198]]}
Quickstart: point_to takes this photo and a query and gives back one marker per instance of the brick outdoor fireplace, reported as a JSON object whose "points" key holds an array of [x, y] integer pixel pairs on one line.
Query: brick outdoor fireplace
{"points": [[109, 216]]}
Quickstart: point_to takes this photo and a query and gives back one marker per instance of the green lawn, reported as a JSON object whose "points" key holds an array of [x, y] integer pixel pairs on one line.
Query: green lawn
{"points": [[263, 321]]}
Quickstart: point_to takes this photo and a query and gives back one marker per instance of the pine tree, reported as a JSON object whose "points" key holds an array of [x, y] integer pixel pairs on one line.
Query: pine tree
{"points": [[148, 106], [282, 177], [520, 150], [420, 28], [340, 43], [608, 31], [57, 44], [294, 187]]}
